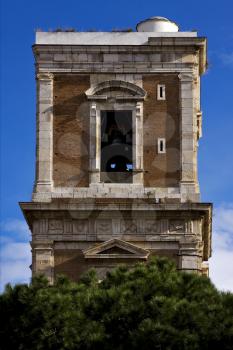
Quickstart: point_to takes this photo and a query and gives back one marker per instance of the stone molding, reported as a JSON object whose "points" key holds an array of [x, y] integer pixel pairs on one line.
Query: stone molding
{"points": [[132, 91], [186, 77], [136, 221], [127, 250], [45, 76]]}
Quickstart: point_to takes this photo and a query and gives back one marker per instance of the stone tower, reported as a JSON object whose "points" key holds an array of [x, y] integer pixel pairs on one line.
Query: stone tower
{"points": [[118, 124]]}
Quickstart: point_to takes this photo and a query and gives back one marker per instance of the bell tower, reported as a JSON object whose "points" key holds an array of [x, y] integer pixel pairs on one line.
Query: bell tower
{"points": [[118, 124]]}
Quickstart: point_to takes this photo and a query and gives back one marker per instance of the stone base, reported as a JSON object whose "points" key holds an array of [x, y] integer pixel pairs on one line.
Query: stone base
{"points": [[71, 236]]}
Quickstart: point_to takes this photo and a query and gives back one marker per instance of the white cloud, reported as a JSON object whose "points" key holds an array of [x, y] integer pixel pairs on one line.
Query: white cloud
{"points": [[15, 262], [227, 58], [16, 227], [15, 251], [15, 254], [15, 272], [221, 263]]}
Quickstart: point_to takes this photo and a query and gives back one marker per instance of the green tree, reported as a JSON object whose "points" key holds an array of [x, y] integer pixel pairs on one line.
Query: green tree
{"points": [[149, 306]]}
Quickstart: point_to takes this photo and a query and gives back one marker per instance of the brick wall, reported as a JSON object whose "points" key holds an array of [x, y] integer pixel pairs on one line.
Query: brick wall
{"points": [[70, 263], [73, 264], [161, 120], [71, 131]]}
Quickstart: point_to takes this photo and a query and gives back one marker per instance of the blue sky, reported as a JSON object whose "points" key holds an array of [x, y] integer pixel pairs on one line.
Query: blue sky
{"points": [[19, 19]]}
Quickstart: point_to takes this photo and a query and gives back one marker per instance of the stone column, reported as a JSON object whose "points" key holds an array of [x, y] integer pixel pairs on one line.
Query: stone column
{"points": [[44, 148], [188, 183], [43, 259], [98, 140], [95, 144], [138, 145]]}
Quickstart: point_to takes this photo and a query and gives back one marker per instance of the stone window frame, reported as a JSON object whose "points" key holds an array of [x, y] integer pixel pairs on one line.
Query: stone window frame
{"points": [[161, 87], [131, 99], [161, 141]]}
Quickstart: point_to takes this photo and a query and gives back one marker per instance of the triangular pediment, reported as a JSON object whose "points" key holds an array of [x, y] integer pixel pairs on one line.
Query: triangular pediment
{"points": [[116, 248]]}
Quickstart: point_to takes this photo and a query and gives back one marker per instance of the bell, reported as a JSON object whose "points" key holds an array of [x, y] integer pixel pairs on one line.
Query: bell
{"points": [[117, 137], [117, 140]]}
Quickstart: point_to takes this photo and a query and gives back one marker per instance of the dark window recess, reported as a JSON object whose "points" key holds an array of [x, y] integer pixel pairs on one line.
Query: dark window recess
{"points": [[161, 146], [116, 146], [161, 91]]}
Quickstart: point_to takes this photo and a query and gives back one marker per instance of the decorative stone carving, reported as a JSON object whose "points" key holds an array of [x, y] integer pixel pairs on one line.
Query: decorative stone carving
{"points": [[44, 76], [177, 226], [128, 226], [56, 225], [104, 226], [43, 226], [80, 226], [186, 77], [151, 226], [68, 226]]}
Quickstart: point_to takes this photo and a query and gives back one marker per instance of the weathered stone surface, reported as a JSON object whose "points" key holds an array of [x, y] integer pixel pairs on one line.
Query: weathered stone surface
{"points": [[161, 119], [71, 131], [75, 214]]}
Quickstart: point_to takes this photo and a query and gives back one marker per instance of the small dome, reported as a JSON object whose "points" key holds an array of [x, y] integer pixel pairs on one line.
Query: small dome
{"points": [[157, 24]]}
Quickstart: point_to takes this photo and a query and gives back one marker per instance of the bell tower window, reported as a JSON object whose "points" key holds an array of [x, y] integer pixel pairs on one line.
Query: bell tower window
{"points": [[116, 146]]}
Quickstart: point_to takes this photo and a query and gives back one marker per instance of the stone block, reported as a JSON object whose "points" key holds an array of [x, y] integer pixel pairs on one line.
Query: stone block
{"points": [[140, 57], [45, 90], [188, 157], [44, 170], [44, 143], [110, 58], [60, 57], [125, 57], [187, 144], [190, 262], [186, 93], [188, 58], [45, 126], [155, 57], [186, 102]]}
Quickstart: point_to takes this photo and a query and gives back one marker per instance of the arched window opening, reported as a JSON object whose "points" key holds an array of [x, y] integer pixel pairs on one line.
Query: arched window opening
{"points": [[116, 145]]}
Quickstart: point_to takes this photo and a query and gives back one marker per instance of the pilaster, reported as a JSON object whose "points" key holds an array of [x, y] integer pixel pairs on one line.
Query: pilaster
{"points": [[138, 144], [95, 145], [43, 259], [44, 150], [191, 256], [188, 182]]}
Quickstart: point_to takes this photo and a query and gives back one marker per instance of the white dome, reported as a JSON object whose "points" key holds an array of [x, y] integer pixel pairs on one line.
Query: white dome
{"points": [[157, 24]]}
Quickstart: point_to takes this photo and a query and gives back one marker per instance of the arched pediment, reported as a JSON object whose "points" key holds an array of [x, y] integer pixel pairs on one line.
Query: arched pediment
{"points": [[118, 89]]}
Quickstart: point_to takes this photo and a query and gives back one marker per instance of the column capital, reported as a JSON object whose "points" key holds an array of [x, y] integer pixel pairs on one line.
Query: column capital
{"points": [[139, 109], [93, 109], [46, 76], [186, 77]]}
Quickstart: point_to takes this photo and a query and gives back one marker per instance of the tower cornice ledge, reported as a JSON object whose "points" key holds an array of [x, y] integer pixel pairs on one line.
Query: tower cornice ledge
{"points": [[69, 209]]}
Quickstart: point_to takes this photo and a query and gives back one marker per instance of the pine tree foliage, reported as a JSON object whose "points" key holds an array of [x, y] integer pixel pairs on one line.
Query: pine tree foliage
{"points": [[149, 306]]}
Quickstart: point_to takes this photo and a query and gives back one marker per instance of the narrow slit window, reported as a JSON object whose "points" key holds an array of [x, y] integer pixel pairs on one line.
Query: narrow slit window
{"points": [[161, 92], [161, 145]]}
